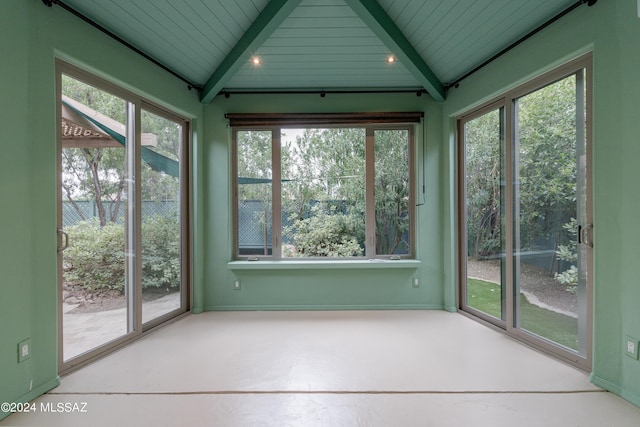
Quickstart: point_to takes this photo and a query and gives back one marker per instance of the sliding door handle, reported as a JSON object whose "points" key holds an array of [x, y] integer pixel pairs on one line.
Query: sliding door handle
{"points": [[64, 239], [585, 235], [579, 234]]}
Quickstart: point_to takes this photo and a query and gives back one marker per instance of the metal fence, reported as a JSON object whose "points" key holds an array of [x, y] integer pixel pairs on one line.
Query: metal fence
{"points": [[81, 210], [255, 228], [251, 218], [252, 227]]}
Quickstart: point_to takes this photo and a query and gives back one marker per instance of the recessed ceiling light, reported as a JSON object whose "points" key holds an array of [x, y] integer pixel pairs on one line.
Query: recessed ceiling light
{"points": [[256, 60], [391, 59]]}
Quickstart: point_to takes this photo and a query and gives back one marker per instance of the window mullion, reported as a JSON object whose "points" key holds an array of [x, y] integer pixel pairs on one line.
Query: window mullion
{"points": [[370, 199], [133, 287], [276, 191], [509, 189], [137, 128]]}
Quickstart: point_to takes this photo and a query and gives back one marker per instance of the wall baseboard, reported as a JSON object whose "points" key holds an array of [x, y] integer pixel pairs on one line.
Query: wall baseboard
{"points": [[321, 307], [36, 392], [615, 389]]}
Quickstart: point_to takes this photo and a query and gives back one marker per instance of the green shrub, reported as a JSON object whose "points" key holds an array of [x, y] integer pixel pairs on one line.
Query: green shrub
{"points": [[325, 234], [161, 252], [569, 253], [95, 258]]}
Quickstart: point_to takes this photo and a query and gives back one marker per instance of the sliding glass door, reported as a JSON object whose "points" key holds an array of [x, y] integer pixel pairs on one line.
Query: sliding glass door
{"points": [[525, 234], [549, 208], [483, 180], [162, 215], [122, 223], [95, 209]]}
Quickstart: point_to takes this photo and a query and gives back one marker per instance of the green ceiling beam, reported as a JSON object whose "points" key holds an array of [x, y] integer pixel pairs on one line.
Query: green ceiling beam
{"points": [[265, 24], [388, 32]]}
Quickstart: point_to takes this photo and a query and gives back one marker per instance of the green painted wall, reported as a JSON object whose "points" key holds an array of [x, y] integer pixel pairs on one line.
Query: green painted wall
{"points": [[326, 287], [612, 30], [31, 36]]}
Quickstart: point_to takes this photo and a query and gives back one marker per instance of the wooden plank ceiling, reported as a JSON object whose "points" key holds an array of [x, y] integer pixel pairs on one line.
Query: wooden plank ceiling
{"points": [[320, 44]]}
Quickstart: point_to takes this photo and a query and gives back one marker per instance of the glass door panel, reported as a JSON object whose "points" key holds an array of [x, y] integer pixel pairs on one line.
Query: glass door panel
{"points": [[94, 205], [549, 208], [483, 204], [161, 208]]}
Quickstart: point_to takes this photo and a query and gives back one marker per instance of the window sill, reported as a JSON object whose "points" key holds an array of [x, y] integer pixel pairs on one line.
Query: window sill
{"points": [[323, 265]]}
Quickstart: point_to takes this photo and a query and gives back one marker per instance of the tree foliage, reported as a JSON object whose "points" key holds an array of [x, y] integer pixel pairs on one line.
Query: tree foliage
{"points": [[483, 144], [95, 173], [392, 191], [98, 173], [547, 161], [95, 258], [545, 179], [323, 188]]}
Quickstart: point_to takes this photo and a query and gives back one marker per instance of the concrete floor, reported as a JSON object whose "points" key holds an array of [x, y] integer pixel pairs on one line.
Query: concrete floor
{"points": [[340, 368], [86, 331]]}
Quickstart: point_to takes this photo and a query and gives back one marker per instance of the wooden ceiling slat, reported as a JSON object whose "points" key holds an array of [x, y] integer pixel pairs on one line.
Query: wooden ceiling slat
{"points": [[194, 37], [303, 33], [269, 19], [324, 41]]}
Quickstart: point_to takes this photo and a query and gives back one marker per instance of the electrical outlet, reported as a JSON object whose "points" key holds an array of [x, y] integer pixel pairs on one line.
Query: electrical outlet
{"points": [[236, 285], [416, 282], [24, 350], [631, 347]]}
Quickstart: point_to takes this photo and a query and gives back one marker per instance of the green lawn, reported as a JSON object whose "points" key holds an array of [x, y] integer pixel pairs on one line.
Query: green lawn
{"points": [[485, 296]]}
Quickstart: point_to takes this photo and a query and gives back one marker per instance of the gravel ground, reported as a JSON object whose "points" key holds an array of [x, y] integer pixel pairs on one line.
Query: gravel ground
{"points": [[87, 301], [536, 283]]}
